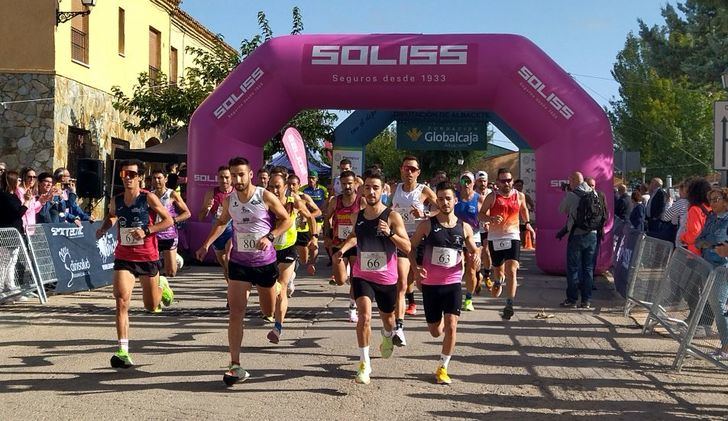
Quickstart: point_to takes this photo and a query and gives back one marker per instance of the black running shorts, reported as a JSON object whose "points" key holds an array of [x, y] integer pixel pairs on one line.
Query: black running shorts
{"points": [[499, 257], [138, 268], [302, 238], [262, 276], [349, 253], [286, 255], [441, 299], [169, 244], [384, 295]]}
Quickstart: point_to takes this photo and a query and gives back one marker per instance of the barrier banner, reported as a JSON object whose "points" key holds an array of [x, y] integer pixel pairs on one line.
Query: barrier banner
{"points": [[623, 258], [81, 262]]}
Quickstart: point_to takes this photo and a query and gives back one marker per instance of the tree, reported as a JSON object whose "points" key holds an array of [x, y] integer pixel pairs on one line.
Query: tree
{"points": [[669, 77], [158, 104]]}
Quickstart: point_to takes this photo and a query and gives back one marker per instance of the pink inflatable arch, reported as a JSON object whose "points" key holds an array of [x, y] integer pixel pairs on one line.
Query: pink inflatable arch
{"points": [[504, 74]]}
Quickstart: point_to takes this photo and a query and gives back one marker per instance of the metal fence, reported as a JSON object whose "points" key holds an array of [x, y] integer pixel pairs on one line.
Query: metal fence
{"points": [[40, 250], [17, 277], [646, 271]]}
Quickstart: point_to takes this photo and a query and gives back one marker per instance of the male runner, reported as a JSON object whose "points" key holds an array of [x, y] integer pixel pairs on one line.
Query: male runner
{"points": [[285, 245], [319, 194], [136, 254], [263, 176], [466, 209], [377, 235], [502, 210], [253, 258], [308, 233], [213, 206], [340, 214], [481, 187], [344, 165], [439, 274], [177, 208], [409, 199]]}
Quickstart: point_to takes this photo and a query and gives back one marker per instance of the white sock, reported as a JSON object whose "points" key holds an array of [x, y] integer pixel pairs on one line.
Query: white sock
{"points": [[364, 355], [445, 360], [124, 344]]}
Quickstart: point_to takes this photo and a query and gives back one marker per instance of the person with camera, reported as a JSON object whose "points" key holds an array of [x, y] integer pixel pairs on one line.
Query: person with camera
{"points": [[68, 199]]}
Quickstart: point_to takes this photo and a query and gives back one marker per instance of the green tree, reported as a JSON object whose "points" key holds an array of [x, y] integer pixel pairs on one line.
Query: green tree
{"points": [[670, 76], [159, 104]]}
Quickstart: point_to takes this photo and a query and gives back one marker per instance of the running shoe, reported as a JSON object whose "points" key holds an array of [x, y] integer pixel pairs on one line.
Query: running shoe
{"points": [[496, 289], [167, 293], [235, 374], [568, 303], [121, 359], [441, 376], [468, 304], [268, 318], [332, 281], [508, 312], [362, 374], [398, 337], [411, 309], [274, 336], [353, 315], [585, 305], [386, 347], [156, 310], [488, 283]]}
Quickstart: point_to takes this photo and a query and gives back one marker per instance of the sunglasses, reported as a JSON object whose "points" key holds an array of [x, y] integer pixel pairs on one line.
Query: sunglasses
{"points": [[716, 199], [465, 180], [128, 174], [31, 177], [505, 180], [410, 168]]}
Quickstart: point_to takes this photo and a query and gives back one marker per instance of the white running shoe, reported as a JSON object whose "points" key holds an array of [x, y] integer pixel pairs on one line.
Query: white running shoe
{"points": [[398, 337], [353, 315]]}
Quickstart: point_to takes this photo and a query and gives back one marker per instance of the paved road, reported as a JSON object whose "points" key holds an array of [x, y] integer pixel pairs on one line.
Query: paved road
{"points": [[54, 362]]}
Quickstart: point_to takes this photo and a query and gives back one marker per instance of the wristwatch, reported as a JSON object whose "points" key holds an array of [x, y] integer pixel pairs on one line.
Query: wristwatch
{"points": [[270, 237], [146, 231], [316, 235], [391, 234]]}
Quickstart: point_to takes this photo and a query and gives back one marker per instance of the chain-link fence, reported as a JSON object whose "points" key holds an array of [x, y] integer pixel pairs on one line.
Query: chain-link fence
{"points": [[17, 277]]}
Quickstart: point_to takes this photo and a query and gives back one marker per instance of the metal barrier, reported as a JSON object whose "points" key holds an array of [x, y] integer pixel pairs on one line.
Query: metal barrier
{"points": [[647, 269], [40, 250], [703, 334], [17, 276]]}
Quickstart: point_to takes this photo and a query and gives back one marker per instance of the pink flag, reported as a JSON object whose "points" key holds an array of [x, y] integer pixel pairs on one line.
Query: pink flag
{"points": [[296, 151]]}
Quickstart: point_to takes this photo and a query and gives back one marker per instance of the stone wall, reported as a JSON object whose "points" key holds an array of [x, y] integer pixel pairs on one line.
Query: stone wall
{"points": [[27, 128]]}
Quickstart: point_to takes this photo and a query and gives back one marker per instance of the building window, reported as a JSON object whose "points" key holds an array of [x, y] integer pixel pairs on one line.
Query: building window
{"points": [[122, 35], [173, 66], [79, 35], [155, 53]]}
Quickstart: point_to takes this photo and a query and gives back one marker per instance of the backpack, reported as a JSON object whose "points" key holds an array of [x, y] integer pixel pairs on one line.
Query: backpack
{"points": [[590, 214]]}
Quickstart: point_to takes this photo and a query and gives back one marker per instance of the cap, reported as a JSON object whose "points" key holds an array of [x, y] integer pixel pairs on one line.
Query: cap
{"points": [[313, 173], [481, 174], [469, 175]]}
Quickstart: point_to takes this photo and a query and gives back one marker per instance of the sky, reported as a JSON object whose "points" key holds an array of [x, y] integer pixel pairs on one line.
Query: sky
{"points": [[582, 36]]}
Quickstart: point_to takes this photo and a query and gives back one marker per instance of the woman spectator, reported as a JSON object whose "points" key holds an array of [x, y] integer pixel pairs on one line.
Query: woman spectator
{"points": [[697, 195], [637, 216], [28, 183], [12, 208], [677, 213]]}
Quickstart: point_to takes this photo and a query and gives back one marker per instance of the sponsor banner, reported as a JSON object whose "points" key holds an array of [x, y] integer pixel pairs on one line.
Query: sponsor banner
{"points": [[80, 260], [441, 131], [356, 156], [296, 152], [390, 63]]}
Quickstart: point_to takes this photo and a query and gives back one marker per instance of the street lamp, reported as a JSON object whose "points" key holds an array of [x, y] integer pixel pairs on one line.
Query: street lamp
{"points": [[62, 17], [643, 170]]}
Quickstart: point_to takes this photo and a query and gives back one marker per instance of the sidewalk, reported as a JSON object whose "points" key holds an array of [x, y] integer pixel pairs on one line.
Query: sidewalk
{"points": [[54, 361]]}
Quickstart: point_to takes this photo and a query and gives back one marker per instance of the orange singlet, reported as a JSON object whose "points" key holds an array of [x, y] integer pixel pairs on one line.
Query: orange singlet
{"points": [[507, 207]]}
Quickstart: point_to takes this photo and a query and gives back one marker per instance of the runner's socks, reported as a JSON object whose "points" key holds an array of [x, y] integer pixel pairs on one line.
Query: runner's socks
{"points": [[124, 345], [445, 360]]}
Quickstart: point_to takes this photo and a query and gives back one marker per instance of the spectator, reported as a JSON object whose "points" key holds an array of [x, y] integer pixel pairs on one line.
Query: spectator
{"points": [[69, 198], [717, 301], [659, 201], [580, 248], [678, 212], [12, 207], [698, 210], [28, 183], [3, 168], [644, 191], [637, 215], [51, 211], [622, 204]]}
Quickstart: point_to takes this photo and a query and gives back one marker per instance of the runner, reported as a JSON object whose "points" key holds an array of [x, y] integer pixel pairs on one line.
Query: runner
{"points": [[481, 186], [285, 245], [466, 209], [308, 233], [253, 258], [169, 238], [213, 206], [136, 254], [344, 165], [409, 199], [320, 195], [502, 209], [263, 176], [340, 215], [439, 274], [378, 234]]}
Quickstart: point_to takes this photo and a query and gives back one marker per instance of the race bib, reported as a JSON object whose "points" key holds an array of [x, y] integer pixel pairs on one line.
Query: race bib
{"points": [[445, 257], [373, 261], [499, 245], [218, 211], [128, 239], [476, 237], [343, 231], [246, 241]]}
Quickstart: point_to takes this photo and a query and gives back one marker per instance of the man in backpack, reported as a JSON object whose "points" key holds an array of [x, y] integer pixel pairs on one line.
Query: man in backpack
{"points": [[584, 214]]}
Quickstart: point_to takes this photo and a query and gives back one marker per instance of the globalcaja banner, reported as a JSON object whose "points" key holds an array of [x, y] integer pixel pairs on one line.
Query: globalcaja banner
{"points": [[80, 260], [441, 131]]}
